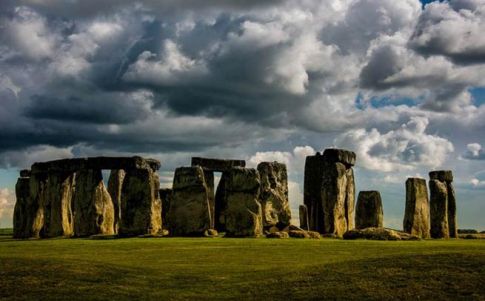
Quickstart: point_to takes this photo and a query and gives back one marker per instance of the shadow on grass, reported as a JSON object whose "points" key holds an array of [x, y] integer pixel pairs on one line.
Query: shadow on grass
{"points": [[445, 276]]}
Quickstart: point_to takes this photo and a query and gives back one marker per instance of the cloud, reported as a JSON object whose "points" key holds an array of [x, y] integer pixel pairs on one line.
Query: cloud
{"points": [[404, 148], [474, 152], [294, 160], [7, 203]]}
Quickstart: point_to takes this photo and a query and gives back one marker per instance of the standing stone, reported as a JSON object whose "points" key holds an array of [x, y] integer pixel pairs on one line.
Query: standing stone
{"points": [[93, 208], [37, 205], [189, 213], [166, 199], [369, 210], [350, 199], [58, 220], [439, 209], [453, 229], [221, 204], [334, 193], [312, 197], [140, 203], [21, 228], [416, 216], [115, 184], [243, 213], [303, 210], [274, 194], [445, 177]]}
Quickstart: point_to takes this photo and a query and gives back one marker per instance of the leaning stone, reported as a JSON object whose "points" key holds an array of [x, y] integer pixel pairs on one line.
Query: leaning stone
{"points": [[189, 213], [243, 215], [334, 190], [274, 194], [21, 213], [140, 203], [439, 209], [278, 235], [340, 155], [115, 184], [416, 216], [58, 219], [303, 211], [441, 175], [369, 210], [92, 205]]}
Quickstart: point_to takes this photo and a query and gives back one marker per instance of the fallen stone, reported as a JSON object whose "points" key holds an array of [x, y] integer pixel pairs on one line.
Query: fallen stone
{"points": [[140, 203], [189, 213], [334, 193], [243, 215], [274, 194], [303, 211], [441, 175], [416, 215], [298, 234], [278, 235], [340, 155], [439, 209], [467, 231], [103, 236], [314, 234], [115, 185], [211, 233], [369, 210], [373, 233], [93, 208]]}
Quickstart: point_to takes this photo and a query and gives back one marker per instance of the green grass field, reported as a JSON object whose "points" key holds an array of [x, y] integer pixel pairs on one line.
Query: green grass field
{"points": [[242, 269]]}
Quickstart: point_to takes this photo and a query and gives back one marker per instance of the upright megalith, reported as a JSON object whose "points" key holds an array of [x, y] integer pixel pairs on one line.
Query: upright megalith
{"points": [[93, 208], [303, 214], [274, 194], [166, 199], [115, 185], [329, 191], [416, 215], [37, 205], [369, 211], [58, 219], [443, 204], [243, 214], [22, 209], [140, 203], [189, 213]]}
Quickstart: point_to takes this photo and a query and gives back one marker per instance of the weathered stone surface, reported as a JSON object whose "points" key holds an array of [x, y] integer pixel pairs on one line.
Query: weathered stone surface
{"points": [[298, 234], [210, 233], [303, 211], [73, 165], [21, 227], [416, 215], [217, 164], [209, 181], [93, 208], [243, 215], [369, 210], [314, 234], [340, 155], [189, 212], [441, 175], [439, 209], [274, 194], [25, 173], [278, 235], [115, 184], [37, 205], [140, 203], [58, 220], [373, 233], [452, 224], [166, 199], [350, 199], [334, 193], [312, 197]]}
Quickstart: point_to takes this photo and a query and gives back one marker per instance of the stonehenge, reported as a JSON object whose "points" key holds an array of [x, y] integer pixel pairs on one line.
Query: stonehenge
{"points": [[329, 191], [369, 211], [416, 214], [69, 198]]}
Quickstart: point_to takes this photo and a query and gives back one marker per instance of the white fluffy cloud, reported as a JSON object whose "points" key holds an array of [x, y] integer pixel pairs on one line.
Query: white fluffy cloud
{"points": [[474, 151], [7, 203], [404, 148], [295, 160]]}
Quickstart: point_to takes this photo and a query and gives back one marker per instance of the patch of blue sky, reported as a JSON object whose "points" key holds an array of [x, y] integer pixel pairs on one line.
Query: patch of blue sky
{"points": [[478, 95], [8, 178], [384, 101]]}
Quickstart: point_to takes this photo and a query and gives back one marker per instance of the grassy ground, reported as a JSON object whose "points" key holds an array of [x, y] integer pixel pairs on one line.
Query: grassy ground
{"points": [[240, 269]]}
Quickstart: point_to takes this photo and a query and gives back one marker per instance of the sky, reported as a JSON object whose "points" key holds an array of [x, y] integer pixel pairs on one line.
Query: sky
{"points": [[399, 82]]}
